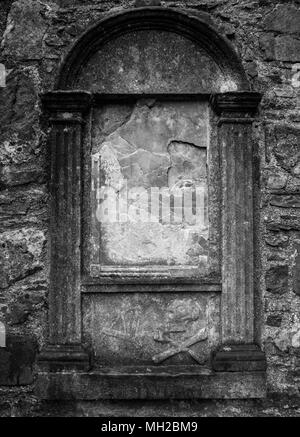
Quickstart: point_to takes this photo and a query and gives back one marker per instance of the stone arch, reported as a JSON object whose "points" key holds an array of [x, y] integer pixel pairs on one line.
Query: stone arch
{"points": [[196, 30]]}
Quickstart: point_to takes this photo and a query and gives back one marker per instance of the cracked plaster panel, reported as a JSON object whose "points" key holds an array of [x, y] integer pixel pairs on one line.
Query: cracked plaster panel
{"points": [[151, 144], [152, 328], [152, 62]]}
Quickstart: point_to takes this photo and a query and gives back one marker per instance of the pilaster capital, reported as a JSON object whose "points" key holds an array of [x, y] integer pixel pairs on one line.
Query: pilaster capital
{"points": [[236, 103], [66, 104]]}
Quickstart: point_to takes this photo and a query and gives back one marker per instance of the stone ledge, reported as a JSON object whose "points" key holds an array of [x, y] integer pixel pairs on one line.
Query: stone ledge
{"points": [[172, 382]]}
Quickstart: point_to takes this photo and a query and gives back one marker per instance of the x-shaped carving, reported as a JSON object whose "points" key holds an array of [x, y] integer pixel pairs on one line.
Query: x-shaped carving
{"points": [[183, 346]]}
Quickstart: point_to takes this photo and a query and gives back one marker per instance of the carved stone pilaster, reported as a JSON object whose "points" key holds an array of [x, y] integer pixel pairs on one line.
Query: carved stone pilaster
{"points": [[66, 110], [238, 351]]}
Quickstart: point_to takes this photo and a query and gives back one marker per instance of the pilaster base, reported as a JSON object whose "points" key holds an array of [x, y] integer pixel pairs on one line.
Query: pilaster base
{"points": [[58, 357], [239, 358]]}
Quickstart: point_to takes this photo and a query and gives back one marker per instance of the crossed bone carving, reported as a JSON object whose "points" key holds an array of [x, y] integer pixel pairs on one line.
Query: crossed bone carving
{"points": [[184, 346], [175, 348]]}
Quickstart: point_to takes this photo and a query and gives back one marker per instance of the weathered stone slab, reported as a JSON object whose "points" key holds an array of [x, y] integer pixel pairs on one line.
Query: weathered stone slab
{"points": [[276, 181], [286, 201], [284, 224], [267, 44], [25, 31], [285, 141], [21, 155], [284, 18], [277, 279], [277, 240], [152, 61], [158, 150], [21, 254], [23, 207], [152, 328], [287, 49]]}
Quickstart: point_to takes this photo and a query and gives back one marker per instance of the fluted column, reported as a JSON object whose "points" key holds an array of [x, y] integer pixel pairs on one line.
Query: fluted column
{"points": [[238, 351], [66, 110]]}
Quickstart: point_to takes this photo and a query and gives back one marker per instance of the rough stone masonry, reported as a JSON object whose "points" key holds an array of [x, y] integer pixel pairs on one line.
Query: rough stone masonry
{"points": [[35, 35]]}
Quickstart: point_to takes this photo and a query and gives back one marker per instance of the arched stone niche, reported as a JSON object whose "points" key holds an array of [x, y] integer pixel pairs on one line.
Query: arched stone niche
{"points": [[153, 50], [153, 61], [131, 71]]}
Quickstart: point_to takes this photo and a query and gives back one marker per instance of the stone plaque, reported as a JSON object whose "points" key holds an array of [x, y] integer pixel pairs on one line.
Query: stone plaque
{"points": [[153, 329], [149, 201]]}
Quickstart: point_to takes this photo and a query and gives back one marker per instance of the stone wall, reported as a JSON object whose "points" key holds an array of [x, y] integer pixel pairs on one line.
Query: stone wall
{"points": [[35, 34]]}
